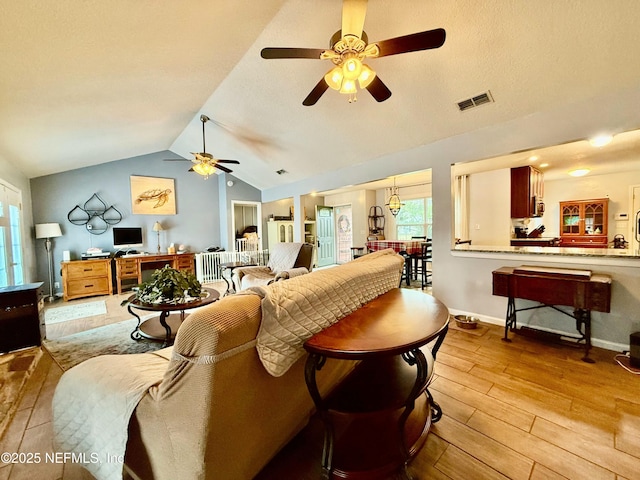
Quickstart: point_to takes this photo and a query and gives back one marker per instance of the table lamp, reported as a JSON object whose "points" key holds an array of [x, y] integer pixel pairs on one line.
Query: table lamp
{"points": [[157, 227], [49, 231]]}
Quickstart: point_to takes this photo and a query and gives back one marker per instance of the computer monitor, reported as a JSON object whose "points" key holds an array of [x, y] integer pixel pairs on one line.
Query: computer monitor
{"points": [[127, 237]]}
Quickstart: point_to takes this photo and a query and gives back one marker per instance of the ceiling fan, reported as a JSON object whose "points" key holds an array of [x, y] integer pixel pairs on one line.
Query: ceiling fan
{"points": [[205, 163], [349, 47]]}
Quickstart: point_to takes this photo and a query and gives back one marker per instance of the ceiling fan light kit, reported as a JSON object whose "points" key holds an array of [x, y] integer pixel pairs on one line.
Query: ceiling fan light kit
{"points": [[204, 168], [349, 47]]}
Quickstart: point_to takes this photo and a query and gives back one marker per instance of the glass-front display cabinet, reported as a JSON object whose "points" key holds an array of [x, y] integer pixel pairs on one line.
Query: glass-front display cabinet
{"points": [[583, 223]]}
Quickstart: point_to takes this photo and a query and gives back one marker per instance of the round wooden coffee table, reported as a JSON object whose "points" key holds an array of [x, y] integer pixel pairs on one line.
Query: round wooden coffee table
{"points": [[150, 329]]}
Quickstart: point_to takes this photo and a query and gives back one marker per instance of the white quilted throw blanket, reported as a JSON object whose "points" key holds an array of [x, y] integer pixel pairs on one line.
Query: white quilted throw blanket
{"points": [[294, 310], [283, 256], [93, 422]]}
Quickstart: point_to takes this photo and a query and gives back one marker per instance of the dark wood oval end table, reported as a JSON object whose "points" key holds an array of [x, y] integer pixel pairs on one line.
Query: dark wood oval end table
{"points": [[377, 419]]}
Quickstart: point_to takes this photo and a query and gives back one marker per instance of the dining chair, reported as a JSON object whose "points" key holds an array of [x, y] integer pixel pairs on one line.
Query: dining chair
{"points": [[424, 264], [357, 252], [406, 271]]}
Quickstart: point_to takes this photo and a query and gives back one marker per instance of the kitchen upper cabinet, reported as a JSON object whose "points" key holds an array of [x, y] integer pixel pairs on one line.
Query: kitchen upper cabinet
{"points": [[527, 191], [583, 223]]}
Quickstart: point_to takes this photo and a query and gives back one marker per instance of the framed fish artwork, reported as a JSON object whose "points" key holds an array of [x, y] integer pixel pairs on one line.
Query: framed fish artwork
{"points": [[153, 196]]}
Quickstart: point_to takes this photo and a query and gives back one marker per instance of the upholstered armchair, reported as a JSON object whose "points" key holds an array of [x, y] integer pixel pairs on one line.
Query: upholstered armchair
{"points": [[286, 260]]}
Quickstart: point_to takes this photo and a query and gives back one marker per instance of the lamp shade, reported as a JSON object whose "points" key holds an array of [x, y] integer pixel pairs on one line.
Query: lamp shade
{"points": [[204, 168], [48, 230], [157, 227]]}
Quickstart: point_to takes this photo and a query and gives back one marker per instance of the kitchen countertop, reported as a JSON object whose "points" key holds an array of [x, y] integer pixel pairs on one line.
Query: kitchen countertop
{"points": [[552, 251], [541, 239]]}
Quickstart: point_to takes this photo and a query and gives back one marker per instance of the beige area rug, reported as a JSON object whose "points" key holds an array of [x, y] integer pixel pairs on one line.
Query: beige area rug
{"points": [[73, 312], [15, 370], [114, 339]]}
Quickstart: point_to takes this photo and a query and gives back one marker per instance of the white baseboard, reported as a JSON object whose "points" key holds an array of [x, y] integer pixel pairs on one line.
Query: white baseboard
{"points": [[606, 344]]}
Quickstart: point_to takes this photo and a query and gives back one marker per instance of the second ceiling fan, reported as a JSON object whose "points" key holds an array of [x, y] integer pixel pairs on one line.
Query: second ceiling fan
{"points": [[205, 163], [349, 48]]}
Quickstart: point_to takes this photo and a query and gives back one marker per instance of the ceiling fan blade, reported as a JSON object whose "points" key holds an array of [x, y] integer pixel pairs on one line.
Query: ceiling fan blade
{"points": [[228, 161], [316, 93], [378, 89], [290, 52], [353, 13], [191, 170], [412, 43], [224, 169]]}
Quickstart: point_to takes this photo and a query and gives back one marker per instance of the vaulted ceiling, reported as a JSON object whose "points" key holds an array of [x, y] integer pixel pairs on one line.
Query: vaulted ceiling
{"points": [[89, 82]]}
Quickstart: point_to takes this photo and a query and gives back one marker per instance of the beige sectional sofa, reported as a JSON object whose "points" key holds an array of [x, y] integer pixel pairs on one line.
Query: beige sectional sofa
{"points": [[208, 407]]}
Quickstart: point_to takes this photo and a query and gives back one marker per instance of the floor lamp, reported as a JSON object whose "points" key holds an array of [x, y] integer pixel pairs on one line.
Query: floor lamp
{"points": [[49, 231]]}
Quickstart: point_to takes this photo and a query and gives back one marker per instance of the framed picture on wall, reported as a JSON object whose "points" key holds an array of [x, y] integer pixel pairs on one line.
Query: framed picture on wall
{"points": [[153, 196]]}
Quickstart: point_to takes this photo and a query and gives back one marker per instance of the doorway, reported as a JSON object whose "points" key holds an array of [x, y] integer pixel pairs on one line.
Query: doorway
{"points": [[326, 236], [11, 249], [246, 216], [344, 233]]}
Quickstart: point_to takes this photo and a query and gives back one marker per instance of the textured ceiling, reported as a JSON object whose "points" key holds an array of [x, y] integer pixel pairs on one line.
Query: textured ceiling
{"points": [[90, 82]]}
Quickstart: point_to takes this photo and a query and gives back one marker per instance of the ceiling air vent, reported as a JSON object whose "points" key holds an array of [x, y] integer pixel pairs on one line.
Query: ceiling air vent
{"points": [[475, 101]]}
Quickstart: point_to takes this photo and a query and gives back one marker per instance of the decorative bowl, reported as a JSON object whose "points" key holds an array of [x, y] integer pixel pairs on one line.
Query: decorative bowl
{"points": [[466, 321]]}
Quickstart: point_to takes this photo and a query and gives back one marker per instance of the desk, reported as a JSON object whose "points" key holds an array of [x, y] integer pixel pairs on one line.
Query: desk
{"points": [[551, 286], [379, 410], [164, 309], [132, 268]]}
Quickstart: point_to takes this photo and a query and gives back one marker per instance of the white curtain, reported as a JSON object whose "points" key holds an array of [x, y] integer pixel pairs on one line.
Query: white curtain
{"points": [[461, 207]]}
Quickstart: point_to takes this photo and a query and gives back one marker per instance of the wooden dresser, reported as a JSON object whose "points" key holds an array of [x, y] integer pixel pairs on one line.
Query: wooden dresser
{"points": [[85, 278]]}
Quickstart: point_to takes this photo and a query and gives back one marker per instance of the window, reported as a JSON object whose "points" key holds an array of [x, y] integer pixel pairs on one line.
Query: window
{"points": [[11, 258], [415, 219]]}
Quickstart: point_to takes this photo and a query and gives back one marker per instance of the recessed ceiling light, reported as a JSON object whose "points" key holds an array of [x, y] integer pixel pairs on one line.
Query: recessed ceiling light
{"points": [[533, 158], [600, 140], [580, 172], [544, 165]]}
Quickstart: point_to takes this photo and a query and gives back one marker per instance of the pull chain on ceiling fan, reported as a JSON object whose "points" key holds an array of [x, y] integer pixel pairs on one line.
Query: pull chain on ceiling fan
{"points": [[349, 48], [205, 163]]}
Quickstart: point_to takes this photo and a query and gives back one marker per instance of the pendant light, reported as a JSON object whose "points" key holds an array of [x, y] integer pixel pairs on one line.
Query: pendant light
{"points": [[394, 203]]}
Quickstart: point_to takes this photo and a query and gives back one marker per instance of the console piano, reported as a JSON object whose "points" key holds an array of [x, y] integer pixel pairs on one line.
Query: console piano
{"points": [[551, 287]]}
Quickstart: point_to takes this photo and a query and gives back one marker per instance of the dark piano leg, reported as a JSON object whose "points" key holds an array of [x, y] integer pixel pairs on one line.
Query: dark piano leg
{"points": [[583, 317], [510, 320]]}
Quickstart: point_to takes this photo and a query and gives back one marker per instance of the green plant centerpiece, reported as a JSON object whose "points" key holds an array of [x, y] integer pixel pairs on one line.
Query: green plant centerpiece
{"points": [[170, 286]]}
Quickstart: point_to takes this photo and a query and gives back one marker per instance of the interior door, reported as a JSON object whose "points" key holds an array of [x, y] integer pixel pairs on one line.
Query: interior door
{"points": [[11, 256], [326, 236]]}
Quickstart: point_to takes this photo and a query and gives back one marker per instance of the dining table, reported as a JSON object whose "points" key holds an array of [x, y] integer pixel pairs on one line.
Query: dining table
{"points": [[411, 248]]}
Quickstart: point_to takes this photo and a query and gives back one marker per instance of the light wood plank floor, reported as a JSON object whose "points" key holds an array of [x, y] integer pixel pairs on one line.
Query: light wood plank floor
{"points": [[520, 410]]}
